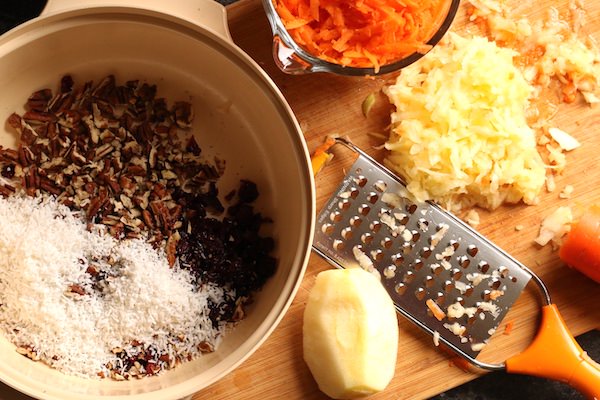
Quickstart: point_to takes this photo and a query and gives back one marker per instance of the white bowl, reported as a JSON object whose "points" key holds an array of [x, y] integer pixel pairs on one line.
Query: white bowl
{"points": [[240, 116]]}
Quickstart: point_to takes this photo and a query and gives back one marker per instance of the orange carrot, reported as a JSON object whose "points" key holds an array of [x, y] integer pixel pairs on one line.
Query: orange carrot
{"points": [[508, 328], [321, 156], [437, 312], [365, 33], [461, 363], [581, 247]]}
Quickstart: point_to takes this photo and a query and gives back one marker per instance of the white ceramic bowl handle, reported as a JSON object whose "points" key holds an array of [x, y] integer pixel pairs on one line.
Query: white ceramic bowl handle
{"points": [[206, 13]]}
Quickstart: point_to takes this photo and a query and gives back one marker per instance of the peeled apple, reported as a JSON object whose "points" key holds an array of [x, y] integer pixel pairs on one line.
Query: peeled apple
{"points": [[350, 334]]}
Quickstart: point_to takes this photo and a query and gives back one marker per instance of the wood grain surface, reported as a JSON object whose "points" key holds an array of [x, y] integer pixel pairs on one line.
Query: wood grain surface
{"points": [[326, 104]]}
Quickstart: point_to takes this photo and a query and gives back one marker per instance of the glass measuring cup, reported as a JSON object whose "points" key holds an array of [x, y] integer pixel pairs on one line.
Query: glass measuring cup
{"points": [[293, 59]]}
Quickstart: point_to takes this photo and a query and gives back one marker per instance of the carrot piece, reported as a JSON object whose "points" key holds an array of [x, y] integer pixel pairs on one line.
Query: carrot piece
{"points": [[508, 328], [581, 247], [363, 33], [460, 363], [320, 156], [495, 294], [314, 9], [438, 313]]}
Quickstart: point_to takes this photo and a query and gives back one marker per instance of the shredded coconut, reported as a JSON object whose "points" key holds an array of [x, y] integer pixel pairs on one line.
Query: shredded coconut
{"points": [[45, 249]]}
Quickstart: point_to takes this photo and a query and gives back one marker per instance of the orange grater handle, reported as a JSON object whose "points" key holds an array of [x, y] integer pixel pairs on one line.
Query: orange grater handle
{"points": [[555, 354]]}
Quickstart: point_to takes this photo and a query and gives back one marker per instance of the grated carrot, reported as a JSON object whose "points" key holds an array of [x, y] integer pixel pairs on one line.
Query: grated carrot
{"points": [[437, 312], [508, 328], [321, 155], [461, 363], [495, 294], [366, 33]]}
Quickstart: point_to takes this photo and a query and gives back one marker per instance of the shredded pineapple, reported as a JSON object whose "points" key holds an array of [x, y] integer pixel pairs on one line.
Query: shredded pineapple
{"points": [[459, 133], [560, 51]]}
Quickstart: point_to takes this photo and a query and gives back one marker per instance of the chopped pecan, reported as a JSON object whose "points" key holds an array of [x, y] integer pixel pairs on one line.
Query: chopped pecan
{"points": [[39, 116], [14, 120], [49, 186], [5, 192], [206, 347], [9, 155], [38, 101], [183, 113], [76, 289], [171, 249]]}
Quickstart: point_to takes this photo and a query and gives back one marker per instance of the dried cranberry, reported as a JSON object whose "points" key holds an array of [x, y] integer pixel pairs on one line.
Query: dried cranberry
{"points": [[228, 252], [248, 191]]}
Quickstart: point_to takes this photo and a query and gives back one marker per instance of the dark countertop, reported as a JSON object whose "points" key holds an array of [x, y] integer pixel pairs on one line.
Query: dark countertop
{"points": [[494, 386]]}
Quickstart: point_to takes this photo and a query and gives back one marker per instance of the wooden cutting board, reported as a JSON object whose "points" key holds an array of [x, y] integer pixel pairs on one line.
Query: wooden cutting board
{"points": [[326, 104]]}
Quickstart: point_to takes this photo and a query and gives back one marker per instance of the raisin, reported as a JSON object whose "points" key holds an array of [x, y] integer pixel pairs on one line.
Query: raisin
{"points": [[8, 171]]}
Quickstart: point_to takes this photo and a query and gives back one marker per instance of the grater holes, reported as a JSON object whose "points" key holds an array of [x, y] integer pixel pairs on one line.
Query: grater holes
{"points": [[407, 248], [503, 271], [397, 259], [445, 254], [335, 216], [364, 209], [375, 226], [390, 271], [416, 235], [420, 294], [411, 208], [352, 193], [440, 298], [428, 281], [338, 245], [423, 224], [495, 283], [513, 279], [377, 254], [455, 245], [372, 197], [386, 242], [347, 233], [360, 180], [402, 218], [344, 204], [425, 252], [400, 288], [436, 269], [383, 211], [366, 238], [483, 266], [468, 291], [472, 250], [456, 274], [408, 277], [380, 186], [418, 264], [448, 286], [327, 229], [471, 320], [486, 295], [463, 261], [355, 221]]}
